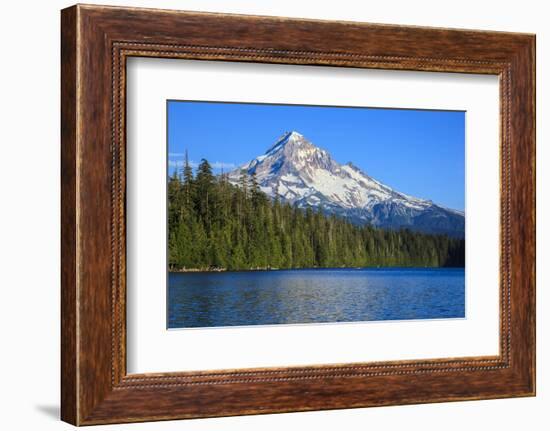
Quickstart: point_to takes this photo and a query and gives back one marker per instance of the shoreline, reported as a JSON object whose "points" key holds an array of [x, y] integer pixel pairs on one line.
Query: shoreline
{"points": [[268, 269]]}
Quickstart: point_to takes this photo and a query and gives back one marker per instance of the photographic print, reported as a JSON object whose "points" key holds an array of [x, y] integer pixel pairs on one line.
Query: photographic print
{"points": [[263, 222], [299, 214]]}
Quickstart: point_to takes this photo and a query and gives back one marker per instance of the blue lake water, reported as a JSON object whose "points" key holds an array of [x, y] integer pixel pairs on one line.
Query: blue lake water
{"points": [[209, 299]]}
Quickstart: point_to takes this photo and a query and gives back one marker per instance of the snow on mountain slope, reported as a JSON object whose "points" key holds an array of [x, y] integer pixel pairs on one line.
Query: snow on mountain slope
{"points": [[304, 175]]}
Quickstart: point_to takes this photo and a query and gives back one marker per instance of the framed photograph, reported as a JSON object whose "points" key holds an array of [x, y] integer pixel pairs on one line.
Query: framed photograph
{"points": [[264, 215]]}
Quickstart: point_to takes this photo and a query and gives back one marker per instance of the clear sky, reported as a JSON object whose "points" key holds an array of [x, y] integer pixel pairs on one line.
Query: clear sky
{"points": [[418, 152]]}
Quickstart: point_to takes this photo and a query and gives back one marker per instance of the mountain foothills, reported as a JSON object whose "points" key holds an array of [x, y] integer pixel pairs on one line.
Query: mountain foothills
{"points": [[298, 172], [289, 209]]}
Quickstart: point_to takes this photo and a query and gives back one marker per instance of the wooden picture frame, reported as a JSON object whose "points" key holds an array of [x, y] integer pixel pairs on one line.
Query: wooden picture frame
{"points": [[95, 43]]}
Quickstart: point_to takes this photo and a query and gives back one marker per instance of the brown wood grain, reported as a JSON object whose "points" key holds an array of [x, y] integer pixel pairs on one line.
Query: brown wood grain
{"points": [[69, 367], [96, 41]]}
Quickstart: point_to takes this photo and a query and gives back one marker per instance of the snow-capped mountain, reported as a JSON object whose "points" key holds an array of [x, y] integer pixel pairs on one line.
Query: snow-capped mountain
{"points": [[298, 172]]}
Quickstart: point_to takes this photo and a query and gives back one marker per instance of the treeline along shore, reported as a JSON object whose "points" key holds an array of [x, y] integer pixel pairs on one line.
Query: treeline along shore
{"points": [[214, 225]]}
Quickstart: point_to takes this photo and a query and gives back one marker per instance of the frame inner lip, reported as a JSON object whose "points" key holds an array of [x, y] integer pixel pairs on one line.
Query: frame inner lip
{"points": [[181, 52]]}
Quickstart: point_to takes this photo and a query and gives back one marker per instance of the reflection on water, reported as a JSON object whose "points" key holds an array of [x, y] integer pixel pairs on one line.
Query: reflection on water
{"points": [[316, 295]]}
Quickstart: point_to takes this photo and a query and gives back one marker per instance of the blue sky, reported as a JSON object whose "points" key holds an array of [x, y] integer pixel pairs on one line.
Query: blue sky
{"points": [[418, 152]]}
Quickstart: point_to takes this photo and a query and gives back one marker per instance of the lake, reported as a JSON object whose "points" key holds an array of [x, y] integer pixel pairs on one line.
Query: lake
{"points": [[213, 299]]}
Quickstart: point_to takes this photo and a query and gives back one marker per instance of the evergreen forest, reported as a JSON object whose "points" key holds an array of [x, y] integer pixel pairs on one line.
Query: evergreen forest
{"points": [[215, 225]]}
